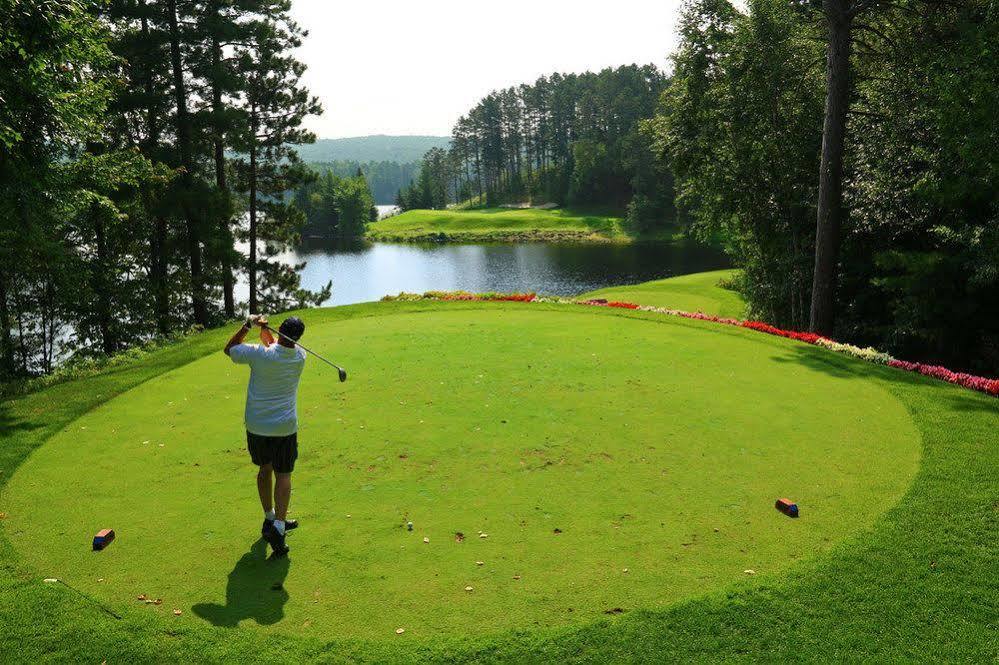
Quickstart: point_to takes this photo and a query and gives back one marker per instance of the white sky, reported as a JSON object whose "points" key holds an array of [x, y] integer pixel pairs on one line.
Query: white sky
{"points": [[414, 67]]}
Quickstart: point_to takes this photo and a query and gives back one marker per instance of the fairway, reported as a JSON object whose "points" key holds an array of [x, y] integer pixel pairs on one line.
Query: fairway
{"points": [[699, 292], [499, 225], [608, 462]]}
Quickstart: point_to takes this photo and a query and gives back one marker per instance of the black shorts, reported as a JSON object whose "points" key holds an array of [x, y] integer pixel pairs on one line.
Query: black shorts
{"points": [[278, 451]]}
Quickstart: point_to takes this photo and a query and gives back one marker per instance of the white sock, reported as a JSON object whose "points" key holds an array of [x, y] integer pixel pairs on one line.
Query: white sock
{"points": [[269, 515], [279, 526]]}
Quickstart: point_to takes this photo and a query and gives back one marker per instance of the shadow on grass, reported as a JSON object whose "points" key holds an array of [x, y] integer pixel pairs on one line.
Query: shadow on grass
{"points": [[255, 590], [823, 361], [844, 367], [975, 402], [9, 423]]}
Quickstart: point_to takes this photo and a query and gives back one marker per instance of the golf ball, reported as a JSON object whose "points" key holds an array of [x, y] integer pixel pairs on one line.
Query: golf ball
{"points": [[409, 526]]}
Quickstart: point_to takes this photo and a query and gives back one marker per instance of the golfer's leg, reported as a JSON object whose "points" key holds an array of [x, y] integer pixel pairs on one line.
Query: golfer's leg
{"points": [[282, 495], [264, 475]]}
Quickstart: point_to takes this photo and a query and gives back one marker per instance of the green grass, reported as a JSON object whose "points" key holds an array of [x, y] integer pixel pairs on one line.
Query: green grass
{"points": [[699, 292], [634, 434], [499, 225], [471, 442]]}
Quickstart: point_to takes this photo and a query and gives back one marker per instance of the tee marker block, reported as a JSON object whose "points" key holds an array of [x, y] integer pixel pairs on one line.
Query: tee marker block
{"points": [[788, 507], [103, 539]]}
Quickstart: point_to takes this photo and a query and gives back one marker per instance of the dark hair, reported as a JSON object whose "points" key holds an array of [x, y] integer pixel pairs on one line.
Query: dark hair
{"points": [[292, 327]]}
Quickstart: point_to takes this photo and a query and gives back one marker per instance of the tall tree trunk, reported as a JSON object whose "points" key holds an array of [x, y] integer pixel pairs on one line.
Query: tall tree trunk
{"points": [[152, 124], [198, 300], [830, 203], [6, 341], [48, 326], [478, 176], [157, 240], [528, 158], [252, 267], [158, 274], [100, 284], [218, 138], [468, 175], [20, 307]]}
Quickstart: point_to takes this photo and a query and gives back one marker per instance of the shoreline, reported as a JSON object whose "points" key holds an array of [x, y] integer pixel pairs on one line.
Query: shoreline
{"points": [[498, 236], [503, 225]]}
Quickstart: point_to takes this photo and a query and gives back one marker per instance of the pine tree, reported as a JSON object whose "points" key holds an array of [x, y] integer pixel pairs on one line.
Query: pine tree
{"points": [[185, 147], [220, 28], [274, 107], [139, 115]]}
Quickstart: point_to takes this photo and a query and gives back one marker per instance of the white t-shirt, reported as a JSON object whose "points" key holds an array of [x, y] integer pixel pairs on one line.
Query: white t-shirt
{"points": [[271, 396]]}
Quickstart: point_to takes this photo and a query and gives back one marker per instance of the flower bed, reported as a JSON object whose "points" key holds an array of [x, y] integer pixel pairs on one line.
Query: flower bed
{"points": [[979, 383], [600, 302]]}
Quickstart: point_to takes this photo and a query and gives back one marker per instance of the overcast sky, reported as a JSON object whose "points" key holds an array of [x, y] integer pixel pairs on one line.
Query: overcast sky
{"points": [[414, 67]]}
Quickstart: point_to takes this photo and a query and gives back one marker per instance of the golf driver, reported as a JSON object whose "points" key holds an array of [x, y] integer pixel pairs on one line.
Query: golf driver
{"points": [[341, 370]]}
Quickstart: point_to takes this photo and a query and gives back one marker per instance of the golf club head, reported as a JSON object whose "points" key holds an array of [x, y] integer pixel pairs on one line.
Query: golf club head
{"points": [[343, 375]]}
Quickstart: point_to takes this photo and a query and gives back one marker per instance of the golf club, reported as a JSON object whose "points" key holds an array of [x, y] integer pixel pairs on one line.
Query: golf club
{"points": [[341, 370]]}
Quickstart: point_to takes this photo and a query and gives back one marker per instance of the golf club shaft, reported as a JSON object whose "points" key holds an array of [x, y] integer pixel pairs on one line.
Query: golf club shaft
{"points": [[281, 334]]}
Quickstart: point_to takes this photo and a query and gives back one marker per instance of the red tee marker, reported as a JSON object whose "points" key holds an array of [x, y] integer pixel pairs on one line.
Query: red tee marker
{"points": [[788, 507], [103, 539]]}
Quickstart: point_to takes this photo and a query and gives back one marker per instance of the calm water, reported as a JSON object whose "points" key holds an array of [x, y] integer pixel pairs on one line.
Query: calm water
{"points": [[367, 271]]}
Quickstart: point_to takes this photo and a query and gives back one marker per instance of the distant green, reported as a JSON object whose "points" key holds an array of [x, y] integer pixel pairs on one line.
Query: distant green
{"points": [[699, 292], [500, 224]]}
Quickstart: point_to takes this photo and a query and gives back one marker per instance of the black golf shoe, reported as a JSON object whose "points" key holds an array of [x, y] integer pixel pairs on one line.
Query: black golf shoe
{"points": [[288, 526], [276, 541]]}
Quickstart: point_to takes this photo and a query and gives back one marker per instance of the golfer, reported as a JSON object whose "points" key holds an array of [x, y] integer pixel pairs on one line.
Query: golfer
{"points": [[271, 417]]}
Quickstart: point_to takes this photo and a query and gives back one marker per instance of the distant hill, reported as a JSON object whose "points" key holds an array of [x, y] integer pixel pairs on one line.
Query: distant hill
{"points": [[380, 148]]}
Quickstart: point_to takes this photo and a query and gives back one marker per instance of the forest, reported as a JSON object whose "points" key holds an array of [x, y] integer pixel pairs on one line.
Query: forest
{"points": [[571, 139], [845, 155], [141, 145], [336, 206]]}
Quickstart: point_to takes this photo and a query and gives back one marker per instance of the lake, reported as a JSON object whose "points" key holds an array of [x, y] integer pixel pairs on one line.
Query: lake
{"points": [[365, 271]]}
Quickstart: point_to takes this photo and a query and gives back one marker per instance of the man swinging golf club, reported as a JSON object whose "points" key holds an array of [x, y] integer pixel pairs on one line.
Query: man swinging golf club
{"points": [[271, 417]]}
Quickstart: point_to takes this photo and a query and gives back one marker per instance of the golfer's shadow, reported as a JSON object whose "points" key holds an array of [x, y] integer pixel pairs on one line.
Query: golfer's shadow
{"points": [[255, 590]]}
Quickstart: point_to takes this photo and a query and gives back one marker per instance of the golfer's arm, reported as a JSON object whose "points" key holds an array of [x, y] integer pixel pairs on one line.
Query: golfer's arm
{"points": [[236, 339], [266, 337]]}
